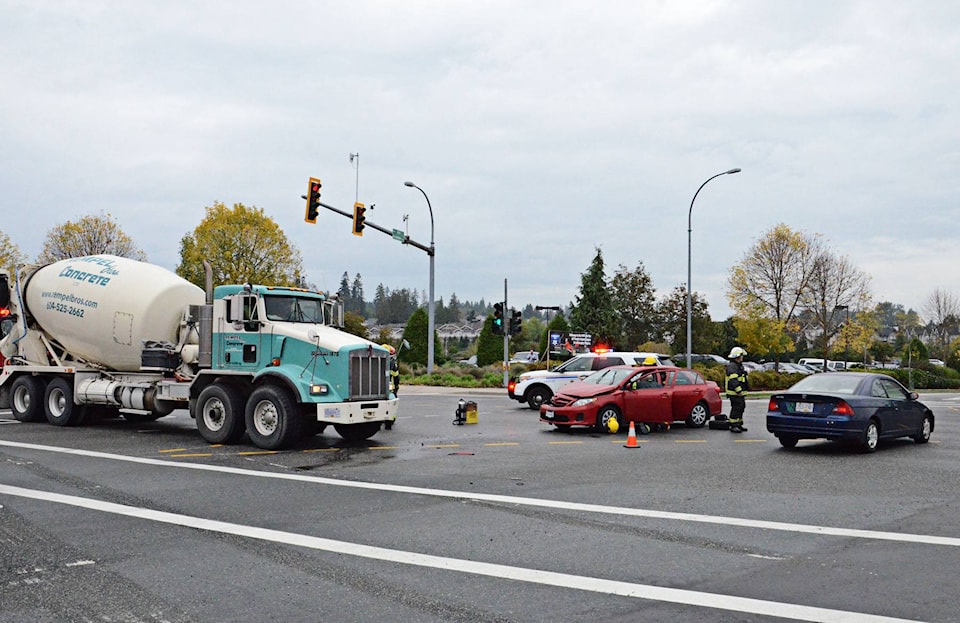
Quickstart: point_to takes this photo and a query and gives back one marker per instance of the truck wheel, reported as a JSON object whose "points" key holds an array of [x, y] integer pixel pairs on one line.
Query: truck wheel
{"points": [[273, 420], [26, 399], [58, 403], [357, 432], [219, 415]]}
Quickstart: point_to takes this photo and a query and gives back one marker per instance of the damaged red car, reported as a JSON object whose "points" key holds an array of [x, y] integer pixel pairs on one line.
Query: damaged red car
{"points": [[649, 395]]}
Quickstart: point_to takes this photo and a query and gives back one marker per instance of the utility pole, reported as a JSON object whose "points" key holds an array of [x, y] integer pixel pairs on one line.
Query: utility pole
{"points": [[506, 337]]}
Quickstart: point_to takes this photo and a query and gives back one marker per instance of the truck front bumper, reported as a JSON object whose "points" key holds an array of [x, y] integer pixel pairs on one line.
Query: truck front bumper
{"points": [[358, 412]]}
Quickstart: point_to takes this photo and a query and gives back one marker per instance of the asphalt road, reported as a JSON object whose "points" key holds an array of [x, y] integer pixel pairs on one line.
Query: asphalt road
{"points": [[504, 520]]}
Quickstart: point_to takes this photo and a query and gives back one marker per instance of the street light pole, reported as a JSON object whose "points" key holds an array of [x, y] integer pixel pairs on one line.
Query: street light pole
{"points": [[430, 309], [689, 255]]}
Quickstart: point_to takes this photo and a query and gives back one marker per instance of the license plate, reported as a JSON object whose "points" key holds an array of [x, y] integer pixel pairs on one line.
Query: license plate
{"points": [[804, 407], [548, 415]]}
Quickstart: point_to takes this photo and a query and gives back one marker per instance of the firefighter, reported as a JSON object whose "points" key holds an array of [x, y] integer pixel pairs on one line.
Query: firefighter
{"points": [[736, 387], [394, 376]]}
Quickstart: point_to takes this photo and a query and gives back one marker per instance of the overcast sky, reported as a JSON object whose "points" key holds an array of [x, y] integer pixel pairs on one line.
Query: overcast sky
{"points": [[539, 130]]}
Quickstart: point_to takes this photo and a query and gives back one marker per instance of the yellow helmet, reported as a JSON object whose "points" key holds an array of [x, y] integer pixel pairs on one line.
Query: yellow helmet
{"points": [[613, 425], [650, 361], [390, 349]]}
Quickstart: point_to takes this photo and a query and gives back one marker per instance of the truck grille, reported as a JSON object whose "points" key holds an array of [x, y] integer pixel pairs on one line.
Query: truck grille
{"points": [[368, 374]]}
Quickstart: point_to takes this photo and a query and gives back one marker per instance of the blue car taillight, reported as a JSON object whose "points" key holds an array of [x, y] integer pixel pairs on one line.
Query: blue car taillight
{"points": [[842, 408]]}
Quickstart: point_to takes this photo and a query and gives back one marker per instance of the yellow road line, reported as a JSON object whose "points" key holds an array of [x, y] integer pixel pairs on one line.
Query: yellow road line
{"points": [[505, 443], [173, 450]]}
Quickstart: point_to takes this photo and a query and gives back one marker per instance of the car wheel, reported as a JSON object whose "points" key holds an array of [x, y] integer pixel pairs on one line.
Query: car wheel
{"points": [[787, 442], [926, 427], [537, 396], [871, 437], [604, 415], [699, 415]]}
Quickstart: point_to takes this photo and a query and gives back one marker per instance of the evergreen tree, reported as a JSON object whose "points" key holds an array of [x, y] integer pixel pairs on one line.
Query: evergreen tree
{"points": [[415, 333], [593, 311], [356, 296], [344, 292], [489, 346]]}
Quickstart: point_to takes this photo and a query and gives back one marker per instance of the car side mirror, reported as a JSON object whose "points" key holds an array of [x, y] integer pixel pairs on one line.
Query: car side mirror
{"points": [[914, 396]]}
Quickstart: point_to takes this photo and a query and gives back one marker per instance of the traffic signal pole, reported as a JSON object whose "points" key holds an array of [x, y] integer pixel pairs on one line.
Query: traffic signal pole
{"points": [[506, 338]]}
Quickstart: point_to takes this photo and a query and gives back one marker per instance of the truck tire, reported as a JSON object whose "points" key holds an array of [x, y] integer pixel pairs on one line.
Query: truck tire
{"points": [[357, 432], [58, 403], [219, 414], [26, 399], [273, 420]]}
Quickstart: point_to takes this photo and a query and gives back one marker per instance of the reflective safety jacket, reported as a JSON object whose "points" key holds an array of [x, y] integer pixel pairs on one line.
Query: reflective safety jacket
{"points": [[736, 379]]}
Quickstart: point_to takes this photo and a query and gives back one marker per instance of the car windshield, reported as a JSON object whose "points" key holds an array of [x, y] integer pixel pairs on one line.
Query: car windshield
{"points": [[832, 383], [610, 376]]}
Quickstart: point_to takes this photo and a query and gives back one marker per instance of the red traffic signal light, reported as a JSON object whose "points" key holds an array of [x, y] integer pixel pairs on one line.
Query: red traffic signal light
{"points": [[359, 218], [313, 200]]}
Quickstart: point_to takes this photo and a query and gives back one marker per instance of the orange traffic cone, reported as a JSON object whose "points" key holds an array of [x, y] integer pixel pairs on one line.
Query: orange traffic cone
{"points": [[631, 438]]}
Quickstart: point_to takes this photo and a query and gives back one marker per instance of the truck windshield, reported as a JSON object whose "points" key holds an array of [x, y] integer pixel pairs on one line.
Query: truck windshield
{"points": [[294, 309]]}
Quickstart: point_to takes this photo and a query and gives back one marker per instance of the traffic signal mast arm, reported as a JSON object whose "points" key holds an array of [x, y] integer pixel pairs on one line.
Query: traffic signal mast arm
{"points": [[369, 223]]}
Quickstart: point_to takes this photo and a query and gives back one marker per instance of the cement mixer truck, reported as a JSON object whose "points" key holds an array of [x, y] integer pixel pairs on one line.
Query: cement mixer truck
{"points": [[106, 335]]}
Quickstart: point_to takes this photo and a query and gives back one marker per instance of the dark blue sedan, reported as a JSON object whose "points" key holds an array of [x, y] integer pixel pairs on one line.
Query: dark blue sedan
{"points": [[857, 407]]}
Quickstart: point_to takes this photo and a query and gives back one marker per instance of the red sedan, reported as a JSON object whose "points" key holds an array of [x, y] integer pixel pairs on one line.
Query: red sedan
{"points": [[652, 395]]}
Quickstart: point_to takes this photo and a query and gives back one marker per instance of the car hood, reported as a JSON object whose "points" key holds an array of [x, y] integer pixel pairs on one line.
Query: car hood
{"points": [[586, 390]]}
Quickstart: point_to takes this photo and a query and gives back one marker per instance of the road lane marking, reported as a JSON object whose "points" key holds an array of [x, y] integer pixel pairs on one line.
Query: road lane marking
{"points": [[727, 522], [533, 576]]}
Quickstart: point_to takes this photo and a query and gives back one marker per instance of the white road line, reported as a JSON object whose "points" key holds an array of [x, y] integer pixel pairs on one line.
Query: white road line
{"points": [[904, 537], [534, 576]]}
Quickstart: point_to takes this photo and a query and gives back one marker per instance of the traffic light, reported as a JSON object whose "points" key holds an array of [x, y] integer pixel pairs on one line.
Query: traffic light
{"points": [[515, 320], [498, 319], [359, 218], [313, 200]]}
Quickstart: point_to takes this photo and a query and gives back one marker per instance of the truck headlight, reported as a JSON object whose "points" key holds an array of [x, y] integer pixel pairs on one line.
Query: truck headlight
{"points": [[319, 389]]}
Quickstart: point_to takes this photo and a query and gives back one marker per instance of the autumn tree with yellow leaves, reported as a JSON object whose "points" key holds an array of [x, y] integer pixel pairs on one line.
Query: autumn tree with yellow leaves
{"points": [[242, 245]]}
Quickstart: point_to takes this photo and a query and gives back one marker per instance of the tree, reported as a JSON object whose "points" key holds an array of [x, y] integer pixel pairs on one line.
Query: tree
{"points": [[672, 315], [415, 334], [593, 312], [243, 246], [489, 346], [942, 311], [344, 292], [10, 254], [766, 288], [91, 235], [356, 296], [834, 283], [353, 323], [634, 299]]}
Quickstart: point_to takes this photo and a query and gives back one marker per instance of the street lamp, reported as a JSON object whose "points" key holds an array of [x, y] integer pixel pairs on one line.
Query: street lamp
{"points": [[431, 253], [689, 291]]}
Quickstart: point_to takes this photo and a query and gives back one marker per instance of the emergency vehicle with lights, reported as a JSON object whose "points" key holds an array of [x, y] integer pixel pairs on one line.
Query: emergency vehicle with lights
{"points": [[106, 335], [538, 386]]}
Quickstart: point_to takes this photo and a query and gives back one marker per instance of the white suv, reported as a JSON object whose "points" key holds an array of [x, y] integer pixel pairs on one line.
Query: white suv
{"points": [[538, 386]]}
